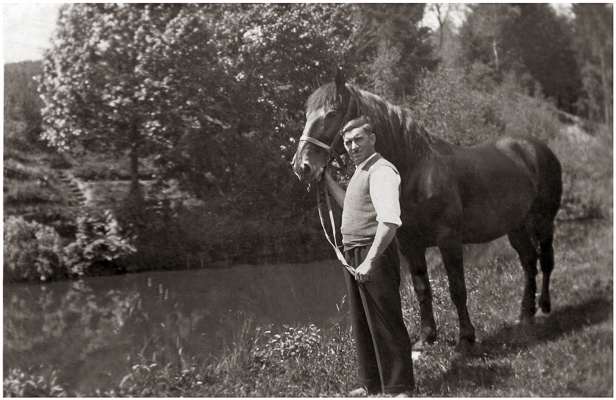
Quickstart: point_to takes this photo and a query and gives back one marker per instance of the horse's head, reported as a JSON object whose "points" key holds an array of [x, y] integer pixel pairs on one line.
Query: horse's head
{"points": [[327, 110]]}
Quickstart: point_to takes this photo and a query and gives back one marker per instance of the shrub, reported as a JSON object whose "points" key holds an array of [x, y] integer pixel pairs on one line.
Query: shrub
{"points": [[468, 109], [18, 383], [524, 115], [31, 250], [448, 106], [98, 242]]}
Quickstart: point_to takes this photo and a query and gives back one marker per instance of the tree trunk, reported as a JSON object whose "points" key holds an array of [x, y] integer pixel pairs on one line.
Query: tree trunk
{"points": [[607, 103], [135, 192]]}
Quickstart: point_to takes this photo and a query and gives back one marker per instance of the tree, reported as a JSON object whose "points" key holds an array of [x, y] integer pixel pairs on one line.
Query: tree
{"points": [[235, 78], [594, 50], [94, 87], [387, 39], [528, 40]]}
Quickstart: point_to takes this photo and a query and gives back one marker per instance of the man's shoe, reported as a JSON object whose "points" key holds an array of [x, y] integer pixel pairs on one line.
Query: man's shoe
{"points": [[359, 392]]}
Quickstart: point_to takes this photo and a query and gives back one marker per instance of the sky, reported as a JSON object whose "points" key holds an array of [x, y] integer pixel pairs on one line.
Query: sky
{"points": [[27, 28]]}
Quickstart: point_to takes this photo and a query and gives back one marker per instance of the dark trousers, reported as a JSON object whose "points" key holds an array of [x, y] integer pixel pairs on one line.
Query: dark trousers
{"points": [[383, 343]]}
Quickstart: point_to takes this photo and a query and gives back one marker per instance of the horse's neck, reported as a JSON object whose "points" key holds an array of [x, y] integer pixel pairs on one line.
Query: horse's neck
{"points": [[400, 139]]}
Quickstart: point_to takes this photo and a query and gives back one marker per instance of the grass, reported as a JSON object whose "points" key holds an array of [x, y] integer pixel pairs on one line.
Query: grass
{"points": [[568, 353]]}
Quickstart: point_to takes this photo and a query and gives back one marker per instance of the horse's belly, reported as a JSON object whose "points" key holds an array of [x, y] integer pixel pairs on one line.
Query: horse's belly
{"points": [[495, 214]]}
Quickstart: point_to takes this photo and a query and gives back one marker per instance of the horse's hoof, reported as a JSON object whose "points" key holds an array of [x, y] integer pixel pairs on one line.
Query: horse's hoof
{"points": [[464, 347], [545, 305]]}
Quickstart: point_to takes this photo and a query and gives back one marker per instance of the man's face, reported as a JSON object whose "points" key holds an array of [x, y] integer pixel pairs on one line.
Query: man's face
{"points": [[359, 143]]}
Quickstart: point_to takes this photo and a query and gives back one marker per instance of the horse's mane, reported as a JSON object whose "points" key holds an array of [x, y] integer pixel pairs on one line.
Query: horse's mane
{"points": [[400, 138]]}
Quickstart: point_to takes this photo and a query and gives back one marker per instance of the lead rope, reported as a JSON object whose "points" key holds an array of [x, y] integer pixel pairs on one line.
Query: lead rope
{"points": [[333, 243]]}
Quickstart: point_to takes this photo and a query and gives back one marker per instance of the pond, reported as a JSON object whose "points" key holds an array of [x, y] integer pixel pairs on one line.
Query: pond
{"points": [[91, 331]]}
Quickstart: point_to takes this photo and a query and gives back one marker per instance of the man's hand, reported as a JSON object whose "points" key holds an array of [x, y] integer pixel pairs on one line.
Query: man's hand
{"points": [[363, 272]]}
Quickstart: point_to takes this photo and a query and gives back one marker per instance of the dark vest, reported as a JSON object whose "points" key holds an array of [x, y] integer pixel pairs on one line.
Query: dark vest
{"points": [[358, 214]]}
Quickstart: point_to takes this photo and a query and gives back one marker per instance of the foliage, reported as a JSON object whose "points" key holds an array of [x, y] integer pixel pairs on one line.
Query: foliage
{"points": [[499, 36], [31, 250], [18, 383], [93, 80], [455, 106], [594, 47], [34, 251], [587, 172], [448, 106], [92, 166], [391, 48], [98, 241]]}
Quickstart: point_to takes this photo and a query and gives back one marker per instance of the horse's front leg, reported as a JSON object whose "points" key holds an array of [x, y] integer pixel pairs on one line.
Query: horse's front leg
{"points": [[416, 257], [451, 251]]}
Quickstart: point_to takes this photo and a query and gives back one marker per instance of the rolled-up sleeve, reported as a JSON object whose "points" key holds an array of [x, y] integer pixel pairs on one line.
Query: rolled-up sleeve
{"points": [[385, 194]]}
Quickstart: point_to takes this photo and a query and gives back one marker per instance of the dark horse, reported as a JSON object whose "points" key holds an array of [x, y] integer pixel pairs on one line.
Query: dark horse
{"points": [[450, 195]]}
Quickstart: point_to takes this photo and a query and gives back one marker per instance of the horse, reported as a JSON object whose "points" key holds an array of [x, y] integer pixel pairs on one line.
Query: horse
{"points": [[450, 195]]}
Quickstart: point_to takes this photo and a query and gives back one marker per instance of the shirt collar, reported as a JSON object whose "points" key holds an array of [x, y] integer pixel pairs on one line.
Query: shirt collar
{"points": [[361, 165]]}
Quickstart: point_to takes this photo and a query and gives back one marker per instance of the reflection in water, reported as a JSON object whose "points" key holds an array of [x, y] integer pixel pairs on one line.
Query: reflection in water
{"points": [[93, 330]]}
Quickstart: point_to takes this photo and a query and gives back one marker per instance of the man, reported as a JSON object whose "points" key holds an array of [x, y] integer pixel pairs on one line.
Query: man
{"points": [[370, 218]]}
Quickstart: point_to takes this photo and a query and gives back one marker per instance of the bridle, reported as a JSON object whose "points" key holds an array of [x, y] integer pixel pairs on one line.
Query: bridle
{"points": [[331, 148]]}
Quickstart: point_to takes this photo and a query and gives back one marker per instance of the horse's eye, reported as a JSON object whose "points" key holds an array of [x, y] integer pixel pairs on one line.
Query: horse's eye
{"points": [[331, 113]]}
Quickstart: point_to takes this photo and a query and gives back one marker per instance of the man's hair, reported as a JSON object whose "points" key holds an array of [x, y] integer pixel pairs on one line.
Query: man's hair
{"points": [[362, 122]]}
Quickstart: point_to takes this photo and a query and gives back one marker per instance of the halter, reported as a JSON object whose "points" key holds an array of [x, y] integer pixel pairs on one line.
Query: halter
{"points": [[331, 148]]}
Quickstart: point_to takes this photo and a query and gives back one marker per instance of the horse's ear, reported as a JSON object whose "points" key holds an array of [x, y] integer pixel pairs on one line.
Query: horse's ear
{"points": [[340, 81]]}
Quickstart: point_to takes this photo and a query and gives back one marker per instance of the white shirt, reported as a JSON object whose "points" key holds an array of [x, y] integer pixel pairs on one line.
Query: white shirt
{"points": [[384, 192]]}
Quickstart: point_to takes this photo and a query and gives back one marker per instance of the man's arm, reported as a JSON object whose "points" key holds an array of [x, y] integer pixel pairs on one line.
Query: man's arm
{"points": [[334, 188], [385, 233], [384, 192]]}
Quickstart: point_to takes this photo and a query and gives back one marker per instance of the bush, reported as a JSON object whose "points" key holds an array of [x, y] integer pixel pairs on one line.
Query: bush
{"points": [[32, 251], [98, 242], [21, 384], [448, 106], [587, 172], [468, 109], [523, 115]]}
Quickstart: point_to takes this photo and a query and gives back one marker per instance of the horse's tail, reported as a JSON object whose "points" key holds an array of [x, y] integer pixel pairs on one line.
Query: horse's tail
{"points": [[543, 211]]}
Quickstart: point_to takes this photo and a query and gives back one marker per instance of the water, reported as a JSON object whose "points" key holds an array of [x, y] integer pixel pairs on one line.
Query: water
{"points": [[92, 331]]}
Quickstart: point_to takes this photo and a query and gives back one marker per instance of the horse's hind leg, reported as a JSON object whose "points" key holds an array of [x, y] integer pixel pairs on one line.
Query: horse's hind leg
{"points": [[451, 251], [546, 257], [421, 283], [521, 242]]}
